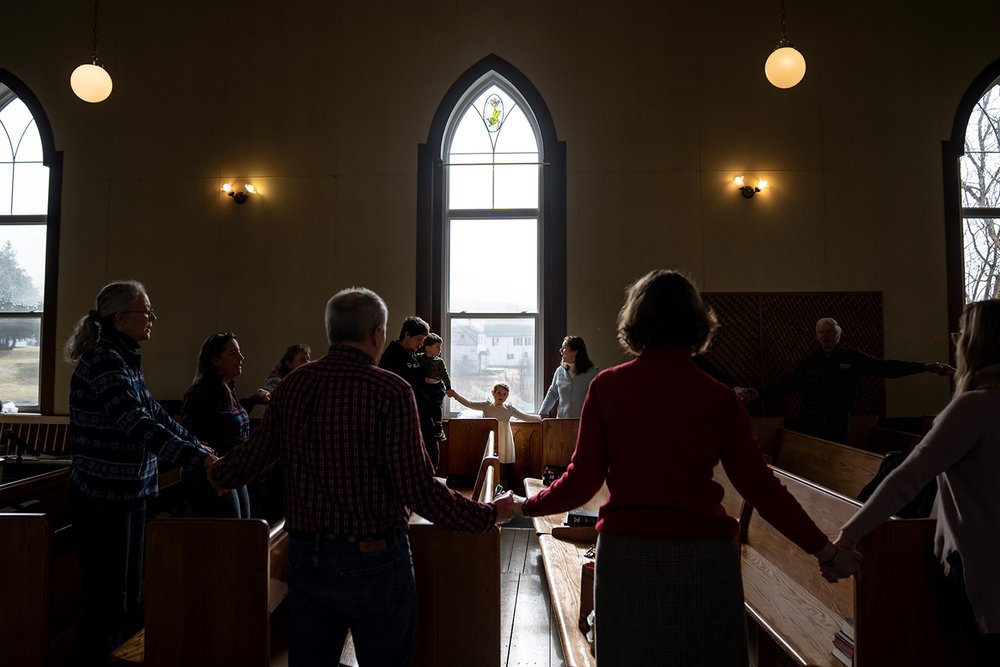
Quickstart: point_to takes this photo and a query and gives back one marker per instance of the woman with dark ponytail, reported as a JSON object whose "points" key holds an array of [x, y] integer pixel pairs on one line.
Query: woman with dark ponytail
{"points": [[117, 431]]}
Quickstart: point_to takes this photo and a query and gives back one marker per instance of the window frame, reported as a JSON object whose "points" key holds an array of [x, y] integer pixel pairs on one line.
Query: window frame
{"points": [[432, 211], [52, 159]]}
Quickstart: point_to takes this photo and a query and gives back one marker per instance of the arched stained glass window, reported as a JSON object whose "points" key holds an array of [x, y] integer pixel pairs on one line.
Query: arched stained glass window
{"points": [[492, 161], [980, 193], [491, 234], [26, 240]]}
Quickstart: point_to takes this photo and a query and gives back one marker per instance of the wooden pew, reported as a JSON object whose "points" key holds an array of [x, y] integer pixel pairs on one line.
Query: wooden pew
{"points": [[46, 436], [829, 464], [563, 561], [26, 567], [210, 587], [884, 440], [463, 450], [897, 603]]}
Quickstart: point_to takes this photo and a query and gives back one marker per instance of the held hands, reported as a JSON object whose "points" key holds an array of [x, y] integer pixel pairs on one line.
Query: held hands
{"points": [[451, 393], [504, 504], [263, 394], [938, 368], [838, 560], [747, 393]]}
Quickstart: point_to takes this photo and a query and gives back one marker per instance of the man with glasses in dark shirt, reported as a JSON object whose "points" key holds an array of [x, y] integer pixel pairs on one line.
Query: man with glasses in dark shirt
{"points": [[348, 436]]}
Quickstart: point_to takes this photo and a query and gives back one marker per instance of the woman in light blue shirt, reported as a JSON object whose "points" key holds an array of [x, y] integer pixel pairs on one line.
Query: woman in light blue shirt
{"points": [[570, 382]]}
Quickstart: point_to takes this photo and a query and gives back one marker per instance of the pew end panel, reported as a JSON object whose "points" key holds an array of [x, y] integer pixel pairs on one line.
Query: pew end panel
{"points": [[904, 612], [26, 566], [207, 592], [458, 595]]}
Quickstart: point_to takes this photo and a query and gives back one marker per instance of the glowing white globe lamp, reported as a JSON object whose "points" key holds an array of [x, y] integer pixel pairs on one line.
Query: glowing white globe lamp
{"points": [[91, 82], [785, 67]]}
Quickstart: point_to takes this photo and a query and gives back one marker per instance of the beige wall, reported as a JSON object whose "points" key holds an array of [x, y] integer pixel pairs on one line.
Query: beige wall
{"points": [[322, 105]]}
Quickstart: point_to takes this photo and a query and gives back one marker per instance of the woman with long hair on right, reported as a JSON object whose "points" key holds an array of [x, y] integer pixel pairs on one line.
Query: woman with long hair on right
{"points": [[962, 451], [668, 590]]}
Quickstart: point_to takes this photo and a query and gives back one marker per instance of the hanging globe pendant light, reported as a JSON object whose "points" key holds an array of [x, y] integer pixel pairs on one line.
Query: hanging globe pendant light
{"points": [[90, 81], [785, 67]]}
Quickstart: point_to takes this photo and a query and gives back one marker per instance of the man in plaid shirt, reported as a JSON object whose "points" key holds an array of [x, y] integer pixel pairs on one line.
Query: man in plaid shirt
{"points": [[348, 436]]}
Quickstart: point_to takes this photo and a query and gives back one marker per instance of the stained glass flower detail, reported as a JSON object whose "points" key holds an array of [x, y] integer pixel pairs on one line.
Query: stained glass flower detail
{"points": [[493, 113]]}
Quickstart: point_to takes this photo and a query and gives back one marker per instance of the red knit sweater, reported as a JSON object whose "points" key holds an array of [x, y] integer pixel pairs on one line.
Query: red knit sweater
{"points": [[654, 428]]}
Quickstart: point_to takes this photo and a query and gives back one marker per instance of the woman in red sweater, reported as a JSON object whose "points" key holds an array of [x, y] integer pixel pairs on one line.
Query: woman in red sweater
{"points": [[668, 589]]}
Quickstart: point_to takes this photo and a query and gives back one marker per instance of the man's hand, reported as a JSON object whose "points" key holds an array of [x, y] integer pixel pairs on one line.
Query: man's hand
{"points": [[504, 504], [209, 464], [938, 368], [747, 393]]}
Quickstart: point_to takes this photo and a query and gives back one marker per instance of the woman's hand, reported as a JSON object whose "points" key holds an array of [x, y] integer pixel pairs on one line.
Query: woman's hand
{"points": [[263, 395], [838, 562]]}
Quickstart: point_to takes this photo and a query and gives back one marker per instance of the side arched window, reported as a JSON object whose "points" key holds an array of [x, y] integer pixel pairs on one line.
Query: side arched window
{"points": [[28, 248]]}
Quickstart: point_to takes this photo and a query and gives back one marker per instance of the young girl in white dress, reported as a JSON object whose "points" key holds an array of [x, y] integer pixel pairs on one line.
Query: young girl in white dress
{"points": [[502, 413]]}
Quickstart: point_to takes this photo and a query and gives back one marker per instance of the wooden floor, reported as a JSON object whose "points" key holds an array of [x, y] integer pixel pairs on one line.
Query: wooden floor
{"points": [[527, 633]]}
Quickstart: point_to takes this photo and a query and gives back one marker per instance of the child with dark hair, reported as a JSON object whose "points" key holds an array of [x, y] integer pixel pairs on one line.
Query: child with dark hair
{"points": [[436, 377]]}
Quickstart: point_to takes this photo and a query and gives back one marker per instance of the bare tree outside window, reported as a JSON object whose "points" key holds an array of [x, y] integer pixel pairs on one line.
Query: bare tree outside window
{"points": [[980, 169]]}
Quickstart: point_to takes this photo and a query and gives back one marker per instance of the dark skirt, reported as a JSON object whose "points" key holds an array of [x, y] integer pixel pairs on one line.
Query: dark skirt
{"points": [[669, 602]]}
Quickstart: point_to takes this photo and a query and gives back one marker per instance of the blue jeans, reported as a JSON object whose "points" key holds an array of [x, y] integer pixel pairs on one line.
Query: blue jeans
{"points": [[334, 586]]}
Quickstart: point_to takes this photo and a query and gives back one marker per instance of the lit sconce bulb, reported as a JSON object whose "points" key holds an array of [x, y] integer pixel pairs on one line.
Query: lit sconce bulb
{"points": [[249, 188], [226, 187], [738, 181], [762, 184]]}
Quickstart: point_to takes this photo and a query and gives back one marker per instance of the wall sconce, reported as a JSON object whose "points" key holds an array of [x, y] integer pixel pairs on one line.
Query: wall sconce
{"points": [[239, 196], [749, 191]]}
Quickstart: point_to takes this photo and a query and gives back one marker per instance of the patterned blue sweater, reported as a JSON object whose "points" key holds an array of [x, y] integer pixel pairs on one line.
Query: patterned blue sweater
{"points": [[116, 427]]}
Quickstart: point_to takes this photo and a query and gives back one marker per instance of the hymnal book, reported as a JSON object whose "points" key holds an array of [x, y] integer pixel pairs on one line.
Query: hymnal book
{"points": [[844, 644], [581, 518], [844, 659]]}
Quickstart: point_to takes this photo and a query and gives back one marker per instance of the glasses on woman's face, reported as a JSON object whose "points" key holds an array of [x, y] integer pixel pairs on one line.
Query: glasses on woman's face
{"points": [[149, 314]]}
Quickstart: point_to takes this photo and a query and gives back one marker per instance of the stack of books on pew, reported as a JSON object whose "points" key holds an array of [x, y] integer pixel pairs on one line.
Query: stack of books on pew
{"points": [[843, 643]]}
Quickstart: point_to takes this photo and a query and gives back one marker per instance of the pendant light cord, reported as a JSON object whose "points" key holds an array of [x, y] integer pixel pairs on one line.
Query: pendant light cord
{"points": [[94, 59]]}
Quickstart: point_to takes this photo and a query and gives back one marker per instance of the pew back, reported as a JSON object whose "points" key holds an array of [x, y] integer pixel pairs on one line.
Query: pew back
{"points": [[558, 441], [46, 434], [832, 465], [899, 604], [467, 439]]}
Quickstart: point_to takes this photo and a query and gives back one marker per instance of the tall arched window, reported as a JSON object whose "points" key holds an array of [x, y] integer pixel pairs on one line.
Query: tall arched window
{"points": [[28, 248], [491, 234]]}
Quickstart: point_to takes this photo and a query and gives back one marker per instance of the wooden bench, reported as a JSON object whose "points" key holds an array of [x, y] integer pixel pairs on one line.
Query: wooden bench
{"points": [[830, 464], [897, 603], [210, 588], [32, 444], [884, 440], [558, 441], [48, 588], [563, 561], [462, 452]]}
